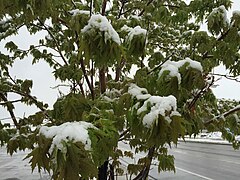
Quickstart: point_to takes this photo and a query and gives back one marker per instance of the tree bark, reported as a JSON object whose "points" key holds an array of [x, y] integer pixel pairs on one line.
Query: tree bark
{"points": [[144, 173], [102, 171], [102, 80]]}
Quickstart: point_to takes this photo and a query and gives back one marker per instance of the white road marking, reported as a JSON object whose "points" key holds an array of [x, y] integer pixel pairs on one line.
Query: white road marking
{"points": [[195, 174]]}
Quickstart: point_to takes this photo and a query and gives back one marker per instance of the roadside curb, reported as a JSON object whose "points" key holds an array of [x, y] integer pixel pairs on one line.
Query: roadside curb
{"points": [[205, 141]]}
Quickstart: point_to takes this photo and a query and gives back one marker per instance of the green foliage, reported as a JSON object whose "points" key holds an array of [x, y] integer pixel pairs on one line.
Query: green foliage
{"points": [[103, 141], [70, 107], [166, 163], [217, 21], [156, 33]]}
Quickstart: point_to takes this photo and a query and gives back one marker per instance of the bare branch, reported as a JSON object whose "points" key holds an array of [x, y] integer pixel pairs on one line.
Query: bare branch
{"points": [[10, 108], [86, 77], [7, 102], [104, 5], [56, 42], [123, 134], [237, 108], [226, 76], [200, 94], [122, 7], [157, 67]]}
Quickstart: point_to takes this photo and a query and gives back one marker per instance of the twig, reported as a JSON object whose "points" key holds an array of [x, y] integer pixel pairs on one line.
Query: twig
{"points": [[122, 135], [7, 102], [200, 93], [121, 9], [56, 42], [10, 108], [224, 115], [157, 67], [226, 76], [86, 77], [39, 46], [91, 7], [149, 2], [104, 5], [74, 4]]}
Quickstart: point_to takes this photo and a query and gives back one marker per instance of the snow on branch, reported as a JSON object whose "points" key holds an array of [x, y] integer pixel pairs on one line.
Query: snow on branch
{"points": [[164, 106], [69, 131], [101, 23], [224, 115], [173, 67]]}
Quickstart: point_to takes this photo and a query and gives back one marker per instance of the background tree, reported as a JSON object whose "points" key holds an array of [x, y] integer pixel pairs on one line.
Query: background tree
{"points": [[93, 45]]}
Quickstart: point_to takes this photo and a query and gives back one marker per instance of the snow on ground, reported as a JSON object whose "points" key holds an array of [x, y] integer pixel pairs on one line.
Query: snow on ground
{"points": [[213, 137], [14, 168]]}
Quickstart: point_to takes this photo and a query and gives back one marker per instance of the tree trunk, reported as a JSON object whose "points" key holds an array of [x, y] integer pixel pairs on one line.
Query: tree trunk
{"points": [[102, 80], [102, 171], [144, 173]]}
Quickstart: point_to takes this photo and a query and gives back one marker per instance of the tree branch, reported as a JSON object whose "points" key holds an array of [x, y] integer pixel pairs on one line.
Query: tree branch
{"points": [[10, 108], [122, 7], [226, 76], [87, 79], [118, 69], [7, 102], [122, 135], [104, 5], [224, 115], [56, 42], [149, 2], [144, 173], [200, 93], [157, 67]]}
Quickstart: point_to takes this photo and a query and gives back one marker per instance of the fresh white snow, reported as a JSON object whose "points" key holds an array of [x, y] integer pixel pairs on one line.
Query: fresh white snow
{"points": [[159, 105], [223, 13], [139, 93], [136, 31], [69, 131], [18, 169], [75, 12], [101, 23], [173, 67]]}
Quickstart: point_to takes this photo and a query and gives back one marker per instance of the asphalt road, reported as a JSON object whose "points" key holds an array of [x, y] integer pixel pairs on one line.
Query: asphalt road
{"points": [[198, 161]]}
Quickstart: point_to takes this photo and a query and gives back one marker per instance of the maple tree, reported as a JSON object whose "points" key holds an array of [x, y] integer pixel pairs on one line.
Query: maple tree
{"points": [[93, 46]]}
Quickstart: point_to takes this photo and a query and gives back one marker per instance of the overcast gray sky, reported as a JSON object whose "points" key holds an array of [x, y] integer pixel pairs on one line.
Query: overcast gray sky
{"points": [[44, 80]]}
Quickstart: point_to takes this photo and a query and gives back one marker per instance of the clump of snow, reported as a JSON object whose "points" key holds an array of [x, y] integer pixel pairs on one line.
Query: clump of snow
{"points": [[160, 105], [135, 17], [136, 31], [139, 93], [237, 138], [101, 23], [75, 12], [223, 13], [126, 28], [173, 67], [69, 131], [164, 106]]}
